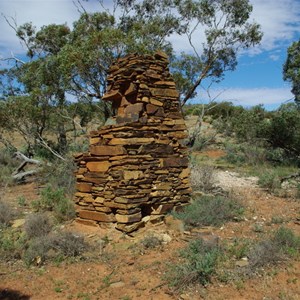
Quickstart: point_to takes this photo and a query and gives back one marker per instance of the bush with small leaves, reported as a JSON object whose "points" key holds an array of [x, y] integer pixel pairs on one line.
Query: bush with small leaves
{"points": [[37, 225], [199, 263], [68, 244], [210, 210], [55, 200], [151, 241], [283, 244], [37, 250], [203, 178], [6, 214]]}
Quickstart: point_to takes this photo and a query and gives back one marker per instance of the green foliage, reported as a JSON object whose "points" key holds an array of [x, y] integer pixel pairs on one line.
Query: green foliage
{"points": [[286, 240], [239, 248], [199, 262], [37, 246], [262, 136], [60, 176], [37, 225], [210, 210], [6, 214], [12, 244], [270, 178], [283, 131], [202, 177], [21, 201], [63, 60], [245, 153], [7, 166], [284, 243], [56, 201], [151, 241], [291, 69]]}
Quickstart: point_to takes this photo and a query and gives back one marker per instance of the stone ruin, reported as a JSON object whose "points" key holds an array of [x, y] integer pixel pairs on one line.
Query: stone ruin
{"points": [[136, 169]]}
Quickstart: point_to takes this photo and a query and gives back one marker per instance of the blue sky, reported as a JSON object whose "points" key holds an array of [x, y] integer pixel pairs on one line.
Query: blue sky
{"points": [[257, 79]]}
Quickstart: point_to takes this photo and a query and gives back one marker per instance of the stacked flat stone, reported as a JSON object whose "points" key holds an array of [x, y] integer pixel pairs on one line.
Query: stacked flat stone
{"points": [[136, 169]]}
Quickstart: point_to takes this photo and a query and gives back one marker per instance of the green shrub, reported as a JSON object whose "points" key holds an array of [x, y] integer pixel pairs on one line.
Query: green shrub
{"points": [[284, 243], [56, 201], [239, 248], [286, 240], [11, 244], [59, 175], [245, 154], [270, 178], [37, 225], [68, 244], [202, 177], [209, 210], [7, 165], [199, 262], [151, 241], [6, 214], [37, 250]]}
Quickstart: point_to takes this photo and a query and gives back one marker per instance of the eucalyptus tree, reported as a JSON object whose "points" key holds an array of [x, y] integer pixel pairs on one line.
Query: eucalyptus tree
{"points": [[291, 69], [75, 61]]}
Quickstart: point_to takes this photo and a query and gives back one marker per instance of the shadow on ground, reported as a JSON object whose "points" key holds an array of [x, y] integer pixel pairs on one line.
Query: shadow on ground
{"points": [[8, 294]]}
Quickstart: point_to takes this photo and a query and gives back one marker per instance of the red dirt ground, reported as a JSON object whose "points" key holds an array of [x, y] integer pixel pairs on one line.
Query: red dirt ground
{"points": [[125, 270]]}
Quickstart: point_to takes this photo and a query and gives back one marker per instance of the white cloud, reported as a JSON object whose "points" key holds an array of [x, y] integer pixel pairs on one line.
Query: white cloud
{"points": [[249, 96], [39, 12], [280, 21]]}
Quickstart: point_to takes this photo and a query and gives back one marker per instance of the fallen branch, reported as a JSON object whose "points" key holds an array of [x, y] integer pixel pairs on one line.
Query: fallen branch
{"points": [[295, 175], [20, 176], [25, 160]]}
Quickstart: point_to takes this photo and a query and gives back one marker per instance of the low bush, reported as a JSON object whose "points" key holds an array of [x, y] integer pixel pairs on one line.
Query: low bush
{"points": [[7, 165], [37, 225], [68, 244], [59, 175], [151, 241], [210, 210], [198, 263], [12, 243], [37, 250], [245, 154], [56, 201], [6, 214], [270, 178], [202, 178], [283, 244], [54, 245]]}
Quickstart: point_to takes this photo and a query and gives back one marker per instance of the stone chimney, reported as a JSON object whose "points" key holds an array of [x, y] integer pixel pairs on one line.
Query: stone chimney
{"points": [[136, 169]]}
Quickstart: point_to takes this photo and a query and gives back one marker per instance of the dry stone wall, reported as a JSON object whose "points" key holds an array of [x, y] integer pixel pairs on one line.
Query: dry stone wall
{"points": [[136, 169]]}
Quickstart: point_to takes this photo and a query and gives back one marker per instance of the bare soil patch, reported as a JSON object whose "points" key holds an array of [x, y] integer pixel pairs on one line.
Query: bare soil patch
{"points": [[126, 270]]}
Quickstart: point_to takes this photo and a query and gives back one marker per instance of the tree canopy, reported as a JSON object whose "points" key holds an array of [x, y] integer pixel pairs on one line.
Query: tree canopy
{"points": [[62, 61], [291, 69]]}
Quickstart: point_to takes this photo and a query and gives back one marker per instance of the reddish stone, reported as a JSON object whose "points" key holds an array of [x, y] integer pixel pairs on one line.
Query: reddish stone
{"points": [[84, 187], [107, 150], [175, 162], [112, 96], [129, 218], [98, 166], [131, 89], [134, 108], [151, 109], [96, 216]]}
